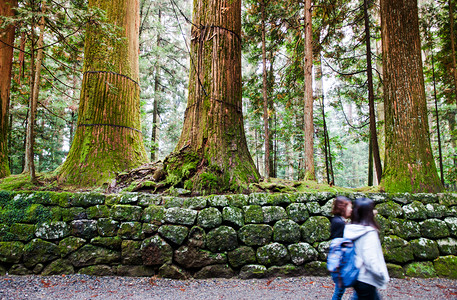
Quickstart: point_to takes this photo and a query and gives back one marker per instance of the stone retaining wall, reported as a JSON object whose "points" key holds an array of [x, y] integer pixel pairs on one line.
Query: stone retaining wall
{"points": [[249, 236]]}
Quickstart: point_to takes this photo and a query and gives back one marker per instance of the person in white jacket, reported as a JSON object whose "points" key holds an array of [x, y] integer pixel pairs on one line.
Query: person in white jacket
{"points": [[369, 258]]}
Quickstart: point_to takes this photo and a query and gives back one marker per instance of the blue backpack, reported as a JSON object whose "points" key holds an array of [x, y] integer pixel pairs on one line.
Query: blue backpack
{"points": [[341, 262]]}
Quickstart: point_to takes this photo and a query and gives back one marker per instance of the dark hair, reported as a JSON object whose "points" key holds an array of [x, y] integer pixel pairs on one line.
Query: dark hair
{"points": [[339, 205], [362, 213]]}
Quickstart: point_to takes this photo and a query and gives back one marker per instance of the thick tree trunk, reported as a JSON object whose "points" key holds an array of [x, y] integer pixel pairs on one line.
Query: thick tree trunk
{"points": [[266, 117], [29, 166], [308, 112], [409, 163], [213, 133], [6, 63], [108, 137]]}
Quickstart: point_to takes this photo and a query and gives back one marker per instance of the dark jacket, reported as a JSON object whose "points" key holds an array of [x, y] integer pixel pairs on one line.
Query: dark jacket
{"points": [[337, 227]]}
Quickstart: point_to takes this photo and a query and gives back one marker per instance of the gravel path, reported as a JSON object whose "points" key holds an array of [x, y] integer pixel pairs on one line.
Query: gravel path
{"points": [[92, 287]]}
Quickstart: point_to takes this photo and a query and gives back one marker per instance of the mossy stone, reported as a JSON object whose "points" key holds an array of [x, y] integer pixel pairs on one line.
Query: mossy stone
{"points": [[172, 272], [423, 269], [448, 199], [297, 212], [174, 233], [233, 216], [109, 242], [131, 252], [402, 198], [286, 231], [11, 252], [215, 271], [315, 229], [154, 214], [123, 212], [322, 249], [434, 229], [273, 254], [191, 257], [73, 213], [218, 200], [134, 271], [238, 200], [415, 211], [452, 225], [70, 244], [316, 268], [252, 271], [241, 256], [253, 214], [180, 216], [87, 199], [259, 199], [255, 234], [129, 198], [395, 271], [107, 227], [22, 232], [39, 251], [195, 203], [52, 230], [85, 229], [425, 198], [397, 250], [287, 270], [278, 199], [314, 208], [405, 229], [131, 230], [97, 270], [19, 269], [58, 267], [155, 251], [435, 210], [326, 209], [447, 246], [389, 209], [98, 211], [424, 249], [170, 202], [273, 213], [446, 266], [92, 255], [209, 218], [223, 238], [149, 229], [146, 200], [301, 253]]}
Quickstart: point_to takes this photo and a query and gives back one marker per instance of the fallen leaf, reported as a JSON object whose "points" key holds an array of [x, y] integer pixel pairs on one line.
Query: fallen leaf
{"points": [[270, 281], [46, 284]]}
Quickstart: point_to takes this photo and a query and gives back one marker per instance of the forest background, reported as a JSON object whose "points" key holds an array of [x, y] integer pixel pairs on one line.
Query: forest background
{"points": [[341, 111]]}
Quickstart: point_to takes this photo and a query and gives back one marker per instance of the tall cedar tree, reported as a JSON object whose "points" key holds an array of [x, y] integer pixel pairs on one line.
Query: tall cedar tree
{"points": [[108, 138], [213, 137], [6, 63], [309, 100], [409, 164]]}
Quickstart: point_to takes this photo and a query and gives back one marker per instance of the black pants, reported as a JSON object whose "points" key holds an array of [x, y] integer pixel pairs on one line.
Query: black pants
{"points": [[366, 291]]}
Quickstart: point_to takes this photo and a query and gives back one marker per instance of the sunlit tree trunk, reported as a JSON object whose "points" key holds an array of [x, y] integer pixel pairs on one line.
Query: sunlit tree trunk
{"points": [[409, 163], [308, 112], [266, 117], [6, 62], [108, 137], [213, 124]]}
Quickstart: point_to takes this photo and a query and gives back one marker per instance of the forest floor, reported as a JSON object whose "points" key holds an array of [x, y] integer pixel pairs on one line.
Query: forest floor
{"points": [[79, 286], [135, 183]]}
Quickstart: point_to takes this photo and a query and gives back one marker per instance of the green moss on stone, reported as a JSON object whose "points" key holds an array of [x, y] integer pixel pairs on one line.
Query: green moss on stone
{"points": [[22, 232], [11, 252], [107, 242], [424, 249], [223, 238], [397, 250], [446, 266], [256, 234], [233, 216], [70, 244], [315, 229], [98, 211], [389, 209], [434, 229], [420, 269], [107, 227], [131, 230], [253, 214], [241, 256], [122, 212], [39, 251], [395, 271], [286, 231], [273, 213], [209, 218], [174, 233]]}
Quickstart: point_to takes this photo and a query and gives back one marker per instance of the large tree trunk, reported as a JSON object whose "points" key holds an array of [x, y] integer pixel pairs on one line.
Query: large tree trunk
{"points": [[308, 113], [409, 163], [29, 166], [213, 135], [6, 63], [108, 138]]}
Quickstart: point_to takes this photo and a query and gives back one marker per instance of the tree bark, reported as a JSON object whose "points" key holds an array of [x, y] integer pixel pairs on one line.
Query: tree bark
{"points": [[266, 117], [373, 133], [155, 109], [35, 89], [6, 63], [213, 133], [108, 137], [409, 163], [308, 111]]}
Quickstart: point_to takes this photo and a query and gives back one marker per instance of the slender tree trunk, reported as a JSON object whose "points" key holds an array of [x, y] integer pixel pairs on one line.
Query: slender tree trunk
{"points": [[6, 63], [213, 133], [108, 138], [308, 112], [371, 104], [272, 121], [265, 95], [155, 109], [35, 89], [437, 122], [454, 73], [409, 163]]}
